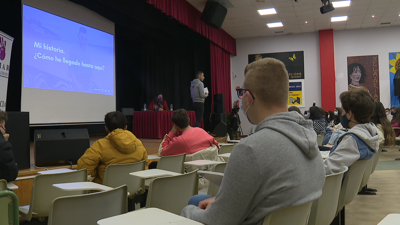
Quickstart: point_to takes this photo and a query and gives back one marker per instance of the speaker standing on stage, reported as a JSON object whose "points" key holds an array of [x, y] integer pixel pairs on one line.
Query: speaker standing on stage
{"points": [[198, 96]]}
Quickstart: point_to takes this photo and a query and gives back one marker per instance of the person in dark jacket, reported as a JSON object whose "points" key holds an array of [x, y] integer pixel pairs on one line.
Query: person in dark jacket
{"points": [[8, 167], [235, 122]]}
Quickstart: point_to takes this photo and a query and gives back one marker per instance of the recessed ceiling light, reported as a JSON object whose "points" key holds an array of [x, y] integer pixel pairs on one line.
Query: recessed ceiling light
{"points": [[338, 18], [306, 22], [339, 4], [373, 16], [278, 24], [267, 11]]}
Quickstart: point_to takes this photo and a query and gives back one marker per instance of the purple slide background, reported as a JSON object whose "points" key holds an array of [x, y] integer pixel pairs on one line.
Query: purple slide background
{"points": [[51, 43]]}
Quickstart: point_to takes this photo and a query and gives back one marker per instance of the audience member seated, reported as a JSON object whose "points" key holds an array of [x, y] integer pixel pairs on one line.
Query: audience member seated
{"points": [[338, 114], [158, 104], [362, 140], [319, 122], [396, 121], [277, 166], [296, 109], [185, 139], [8, 167], [120, 146], [386, 134]]}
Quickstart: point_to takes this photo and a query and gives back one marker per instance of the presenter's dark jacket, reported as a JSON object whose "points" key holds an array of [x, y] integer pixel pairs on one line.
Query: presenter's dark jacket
{"points": [[8, 168]]}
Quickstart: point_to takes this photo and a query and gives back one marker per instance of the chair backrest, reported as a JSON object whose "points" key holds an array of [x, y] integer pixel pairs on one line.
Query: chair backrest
{"points": [[172, 194], [118, 174], [376, 159], [351, 183], [87, 209], [172, 163], [212, 188], [43, 191], [293, 215], [8, 208], [320, 139], [323, 210], [3, 185], [226, 149]]}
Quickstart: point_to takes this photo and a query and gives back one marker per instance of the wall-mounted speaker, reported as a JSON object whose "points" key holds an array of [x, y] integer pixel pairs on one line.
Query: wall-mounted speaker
{"points": [[214, 14]]}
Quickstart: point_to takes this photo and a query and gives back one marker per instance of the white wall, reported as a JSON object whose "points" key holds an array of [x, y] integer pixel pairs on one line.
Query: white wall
{"points": [[309, 43], [375, 41]]}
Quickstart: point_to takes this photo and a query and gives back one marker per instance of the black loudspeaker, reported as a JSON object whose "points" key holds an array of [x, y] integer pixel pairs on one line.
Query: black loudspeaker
{"points": [[60, 146], [219, 124], [396, 82], [18, 127], [214, 14], [219, 103]]}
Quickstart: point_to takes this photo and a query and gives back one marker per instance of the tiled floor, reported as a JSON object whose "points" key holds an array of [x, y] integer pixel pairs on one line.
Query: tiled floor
{"points": [[371, 209]]}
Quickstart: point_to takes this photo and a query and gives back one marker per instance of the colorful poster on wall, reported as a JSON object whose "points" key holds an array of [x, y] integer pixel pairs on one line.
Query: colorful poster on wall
{"points": [[363, 72], [394, 65], [294, 62], [296, 93]]}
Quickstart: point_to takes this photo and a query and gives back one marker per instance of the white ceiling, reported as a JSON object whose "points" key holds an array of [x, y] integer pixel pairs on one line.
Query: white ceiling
{"points": [[243, 20]]}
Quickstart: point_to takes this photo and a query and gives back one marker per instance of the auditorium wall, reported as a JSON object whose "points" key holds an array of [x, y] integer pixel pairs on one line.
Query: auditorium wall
{"points": [[374, 41]]}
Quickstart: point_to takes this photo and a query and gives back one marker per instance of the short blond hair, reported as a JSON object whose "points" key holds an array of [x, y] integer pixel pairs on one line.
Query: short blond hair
{"points": [[269, 80]]}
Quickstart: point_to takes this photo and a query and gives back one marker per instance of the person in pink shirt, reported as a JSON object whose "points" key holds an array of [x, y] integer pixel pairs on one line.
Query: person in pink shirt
{"points": [[183, 138]]}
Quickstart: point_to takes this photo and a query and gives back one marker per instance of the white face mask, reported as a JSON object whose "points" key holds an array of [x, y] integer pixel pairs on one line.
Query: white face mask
{"points": [[245, 111]]}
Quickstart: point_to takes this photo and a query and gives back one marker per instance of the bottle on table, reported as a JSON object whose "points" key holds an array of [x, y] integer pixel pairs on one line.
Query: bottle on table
{"points": [[145, 107], [170, 107]]}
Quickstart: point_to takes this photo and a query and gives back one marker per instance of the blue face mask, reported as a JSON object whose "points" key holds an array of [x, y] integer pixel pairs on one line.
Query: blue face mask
{"points": [[344, 121], [306, 115], [387, 113], [336, 113]]}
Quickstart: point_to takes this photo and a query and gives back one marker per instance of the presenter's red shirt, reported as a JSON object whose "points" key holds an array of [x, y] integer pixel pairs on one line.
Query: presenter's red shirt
{"points": [[154, 106]]}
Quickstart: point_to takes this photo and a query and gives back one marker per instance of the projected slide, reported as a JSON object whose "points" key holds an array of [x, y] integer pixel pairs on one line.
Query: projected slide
{"points": [[59, 54]]}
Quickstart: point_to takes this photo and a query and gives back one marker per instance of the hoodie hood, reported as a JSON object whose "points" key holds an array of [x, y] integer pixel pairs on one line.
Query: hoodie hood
{"points": [[194, 83], [299, 130], [123, 140], [368, 133]]}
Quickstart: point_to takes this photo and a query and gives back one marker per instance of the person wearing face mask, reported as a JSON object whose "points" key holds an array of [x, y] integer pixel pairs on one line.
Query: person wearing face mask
{"points": [[337, 113], [277, 166], [159, 104], [8, 167], [361, 141]]}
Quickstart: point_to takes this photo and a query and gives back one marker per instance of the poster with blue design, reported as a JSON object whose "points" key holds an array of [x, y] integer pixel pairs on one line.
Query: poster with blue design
{"points": [[394, 65], [296, 93]]}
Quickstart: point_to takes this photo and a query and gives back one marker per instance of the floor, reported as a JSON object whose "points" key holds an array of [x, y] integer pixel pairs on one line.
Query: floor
{"points": [[371, 209], [365, 209]]}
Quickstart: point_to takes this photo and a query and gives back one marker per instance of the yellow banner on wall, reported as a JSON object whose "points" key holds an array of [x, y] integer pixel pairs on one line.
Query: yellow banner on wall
{"points": [[296, 93]]}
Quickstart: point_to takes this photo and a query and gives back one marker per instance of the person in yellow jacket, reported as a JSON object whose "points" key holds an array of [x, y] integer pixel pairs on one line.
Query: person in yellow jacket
{"points": [[118, 147]]}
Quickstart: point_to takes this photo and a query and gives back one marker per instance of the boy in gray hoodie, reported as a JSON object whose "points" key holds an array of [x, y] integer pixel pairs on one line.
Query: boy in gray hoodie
{"points": [[362, 140], [198, 96], [276, 167]]}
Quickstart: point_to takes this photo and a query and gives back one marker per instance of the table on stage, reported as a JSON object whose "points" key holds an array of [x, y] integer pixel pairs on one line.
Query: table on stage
{"points": [[156, 124]]}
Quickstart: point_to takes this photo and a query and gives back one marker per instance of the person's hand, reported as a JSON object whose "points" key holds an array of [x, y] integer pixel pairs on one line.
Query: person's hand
{"points": [[174, 129], [234, 116], [6, 136], [205, 204], [206, 93], [160, 109]]}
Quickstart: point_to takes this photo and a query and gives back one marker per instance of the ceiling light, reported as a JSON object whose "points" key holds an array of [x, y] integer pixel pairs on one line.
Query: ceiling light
{"points": [[306, 21], [339, 4], [338, 18], [373, 16], [267, 11], [278, 24], [326, 7]]}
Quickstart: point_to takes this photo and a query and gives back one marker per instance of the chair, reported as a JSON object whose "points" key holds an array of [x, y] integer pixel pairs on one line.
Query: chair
{"points": [[320, 139], [226, 149], [323, 210], [367, 173], [3, 185], [172, 194], [293, 215], [376, 159], [213, 188], [118, 174], [43, 192], [88, 208], [8, 208], [172, 163]]}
